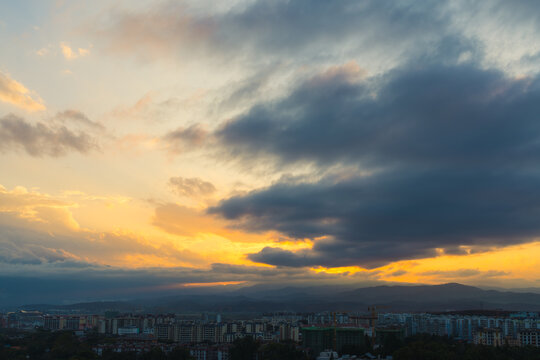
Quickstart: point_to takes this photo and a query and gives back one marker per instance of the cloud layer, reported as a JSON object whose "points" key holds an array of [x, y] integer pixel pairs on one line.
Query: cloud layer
{"points": [[383, 35], [39, 229], [446, 159], [337, 133]]}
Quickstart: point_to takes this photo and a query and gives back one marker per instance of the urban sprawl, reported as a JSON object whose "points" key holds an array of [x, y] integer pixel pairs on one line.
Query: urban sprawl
{"points": [[322, 335]]}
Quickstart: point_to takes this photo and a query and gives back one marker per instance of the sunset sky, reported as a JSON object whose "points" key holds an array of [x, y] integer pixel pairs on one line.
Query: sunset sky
{"points": [[163, 144]]}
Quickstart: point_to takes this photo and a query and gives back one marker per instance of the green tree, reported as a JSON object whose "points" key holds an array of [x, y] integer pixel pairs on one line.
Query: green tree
{"points": [[67, 346], [390, 344], [154, 354], [180, 353], [281, 351], [244, 349]]}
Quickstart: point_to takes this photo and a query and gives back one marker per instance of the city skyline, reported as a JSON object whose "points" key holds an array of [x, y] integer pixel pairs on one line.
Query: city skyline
{"points": [[155, 145]]}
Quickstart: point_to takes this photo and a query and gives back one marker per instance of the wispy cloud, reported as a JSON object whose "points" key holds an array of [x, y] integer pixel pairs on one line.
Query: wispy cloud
{"points": [[42, 139], [42, 52], [17, 94], [71, 115], [185, 139], [38, 228], [191, 186], [73, 53]]}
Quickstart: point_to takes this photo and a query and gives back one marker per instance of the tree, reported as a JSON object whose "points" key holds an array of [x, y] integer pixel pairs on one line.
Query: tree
{"points": [[154, 354], [281, 351], [244, 349], [180, 353], [390, 344]]}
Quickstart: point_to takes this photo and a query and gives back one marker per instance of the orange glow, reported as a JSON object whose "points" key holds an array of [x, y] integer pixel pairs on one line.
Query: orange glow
{"points": [[513, 266], [135, 236], [219, 283]]}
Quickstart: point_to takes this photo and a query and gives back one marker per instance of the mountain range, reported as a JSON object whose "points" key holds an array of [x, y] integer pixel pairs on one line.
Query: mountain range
{"points": [[260, 298]]}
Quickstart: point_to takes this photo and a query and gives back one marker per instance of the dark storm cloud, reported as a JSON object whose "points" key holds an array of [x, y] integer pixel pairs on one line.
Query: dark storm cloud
{"points": [[456, 115], [449, 158], [392, 215], [42, 139]]}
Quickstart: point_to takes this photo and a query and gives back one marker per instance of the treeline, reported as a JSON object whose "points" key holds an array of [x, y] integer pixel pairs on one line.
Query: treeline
{"points": [[427, 347], [248, 349], [45, 345]]}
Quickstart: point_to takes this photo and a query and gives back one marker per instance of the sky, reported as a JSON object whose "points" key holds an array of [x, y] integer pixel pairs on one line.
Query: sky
{"points": [[149, 145]]}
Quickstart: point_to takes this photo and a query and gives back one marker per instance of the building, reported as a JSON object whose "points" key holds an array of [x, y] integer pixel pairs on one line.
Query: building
{"points": [[317, 339], [164, 332], [328, 355], [488, 336], [128, 330], [349, 337], [529, 338], [51, 323]]}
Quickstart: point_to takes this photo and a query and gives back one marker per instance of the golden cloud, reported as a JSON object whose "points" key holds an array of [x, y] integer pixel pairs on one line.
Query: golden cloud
{"points": [[17, 94], [72, 54]]}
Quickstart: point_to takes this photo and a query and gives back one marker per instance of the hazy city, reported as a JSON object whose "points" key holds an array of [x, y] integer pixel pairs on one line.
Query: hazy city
{"points": [[236, 327], [269, 179]]}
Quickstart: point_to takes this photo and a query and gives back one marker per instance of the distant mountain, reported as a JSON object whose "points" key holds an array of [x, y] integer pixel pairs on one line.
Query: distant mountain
{"points": [[444, 297], [534, 290], [90, 307], [256, 299]]}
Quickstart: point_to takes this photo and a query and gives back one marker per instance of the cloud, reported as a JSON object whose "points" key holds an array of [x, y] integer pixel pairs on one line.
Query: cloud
{"points": [[36, 208], [446, 160], [70, 115], [185, 139], [65, 262], [382, 34], [191, 187], [55, 243], [42, 52], [412, 114], [188, 222], [274, 28], [464, 273], [36, 228], [16, 253], [149, 34], [71, 54], [281, 257], [16, 94], [42, 139], [399, 273], [393, 215], [43, 254], [57, 284], [155, 108]]}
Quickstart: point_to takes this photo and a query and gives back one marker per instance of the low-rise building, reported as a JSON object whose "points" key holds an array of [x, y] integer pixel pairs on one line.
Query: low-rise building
{"points": [[488, 336], [529, 338]]}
